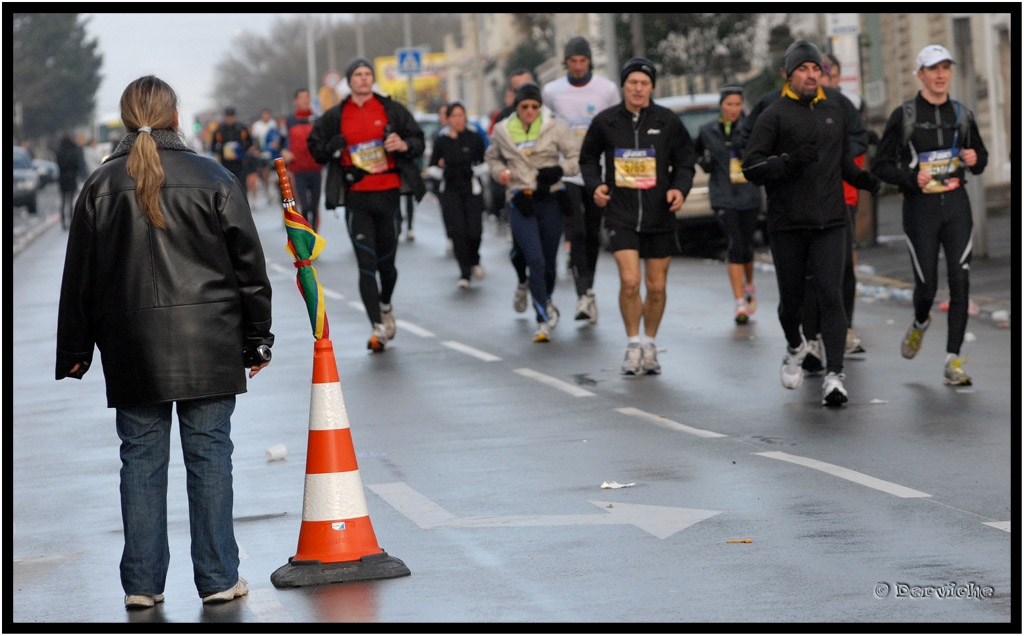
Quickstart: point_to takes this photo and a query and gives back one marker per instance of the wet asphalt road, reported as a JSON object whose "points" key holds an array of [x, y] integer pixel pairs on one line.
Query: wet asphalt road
{"points": [[483, 455]]}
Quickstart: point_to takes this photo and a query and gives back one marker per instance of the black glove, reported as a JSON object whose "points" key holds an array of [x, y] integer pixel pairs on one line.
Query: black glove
{"points": [[335, 144], [868, 181], [523, 202], [353, 174], [802, 156], [706, 162], [547, 177]]}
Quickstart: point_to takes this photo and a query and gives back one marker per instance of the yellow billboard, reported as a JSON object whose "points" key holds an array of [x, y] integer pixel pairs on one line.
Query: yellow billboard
{"points": [[428, 86]]}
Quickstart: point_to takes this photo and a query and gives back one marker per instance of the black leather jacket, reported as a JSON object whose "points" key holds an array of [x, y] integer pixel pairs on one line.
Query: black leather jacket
{"points": [[401, 122], [170, 309]]}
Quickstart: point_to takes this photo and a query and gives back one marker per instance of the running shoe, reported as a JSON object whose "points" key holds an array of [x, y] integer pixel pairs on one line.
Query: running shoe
{"points": [[552, 313], [632, 364], [954, 374], [410, 235], [853, 344], [742, 312], [521, 299], [791, 373], [463, 283], [750, 295], [543, 333], [592, 306], [813, 362], [833, 393], [649, 359], [583, 308], [912, 341], [387, 316], [378, 339], [479, 271]]}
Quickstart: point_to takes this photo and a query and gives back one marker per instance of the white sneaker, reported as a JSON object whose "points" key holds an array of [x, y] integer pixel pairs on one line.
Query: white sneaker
{"points": [[521, 299], [552, 313], [142, 601], [230, 594], [833, 393], [631, 364], [853, 343], [649, 359], [410, 235], [378, 339], [586, 307], [387, 316], [792, 373], [463, 283], [543, 333], [479, 271]]}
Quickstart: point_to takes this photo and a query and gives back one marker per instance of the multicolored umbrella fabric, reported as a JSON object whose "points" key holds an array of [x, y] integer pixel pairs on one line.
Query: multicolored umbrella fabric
{"points": [[304, 245]]}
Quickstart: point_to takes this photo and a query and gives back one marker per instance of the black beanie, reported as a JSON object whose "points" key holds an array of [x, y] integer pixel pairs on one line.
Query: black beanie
{"points": [[729, 89], [641, 64], [799, 52], [529, 90], [356, 63], [577, 46]]}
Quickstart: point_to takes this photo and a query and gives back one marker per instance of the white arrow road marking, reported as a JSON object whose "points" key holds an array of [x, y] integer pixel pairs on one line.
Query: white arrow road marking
{"points": [[561, 385], [1001, 525], [661, 521], [846, 473], [476, 353], [661, 420]]}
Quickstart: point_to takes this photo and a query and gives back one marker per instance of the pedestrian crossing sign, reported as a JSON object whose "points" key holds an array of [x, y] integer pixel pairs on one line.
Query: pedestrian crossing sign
{"points": [[410, 61]]}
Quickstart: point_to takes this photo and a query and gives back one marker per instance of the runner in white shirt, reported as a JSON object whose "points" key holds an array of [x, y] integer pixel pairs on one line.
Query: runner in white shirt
{"points": [[576, 98]]}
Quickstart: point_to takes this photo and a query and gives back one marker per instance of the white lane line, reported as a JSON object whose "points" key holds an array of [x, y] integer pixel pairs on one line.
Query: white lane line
{"points": [[476, 353], [267, 607], [999, 525], [358, 305], [419, 331], [571, 389], [280, 269], [330, 293], [847, 474], [661, 420]]}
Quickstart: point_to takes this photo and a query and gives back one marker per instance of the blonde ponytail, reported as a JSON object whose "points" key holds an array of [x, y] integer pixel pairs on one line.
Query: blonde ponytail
{"points": [[148, 104]]}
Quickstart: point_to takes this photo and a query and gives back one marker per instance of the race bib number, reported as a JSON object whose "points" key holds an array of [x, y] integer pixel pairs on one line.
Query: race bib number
{"points": [[736, 169], [635, 168], [526, 147], [232, 151], [369, 156], [940, 164]]}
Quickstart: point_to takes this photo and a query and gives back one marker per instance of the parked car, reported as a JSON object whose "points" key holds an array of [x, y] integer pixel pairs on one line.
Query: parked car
{"points": [[26, 180], [47, 170]]}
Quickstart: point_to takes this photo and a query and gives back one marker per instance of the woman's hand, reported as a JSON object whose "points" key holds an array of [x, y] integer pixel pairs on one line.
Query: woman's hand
{"points": [[505, 177]]}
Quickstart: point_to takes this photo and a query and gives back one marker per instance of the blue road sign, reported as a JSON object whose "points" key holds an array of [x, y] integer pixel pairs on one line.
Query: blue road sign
{"points": [[410, 61]]}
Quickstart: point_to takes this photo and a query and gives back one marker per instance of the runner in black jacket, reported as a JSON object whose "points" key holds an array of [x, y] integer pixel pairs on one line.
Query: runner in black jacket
{"points": [[799, 150], [929, 169], [649, 159]]}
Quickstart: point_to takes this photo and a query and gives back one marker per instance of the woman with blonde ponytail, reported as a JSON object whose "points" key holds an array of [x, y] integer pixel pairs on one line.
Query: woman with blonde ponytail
{"points": [[165, 275]]}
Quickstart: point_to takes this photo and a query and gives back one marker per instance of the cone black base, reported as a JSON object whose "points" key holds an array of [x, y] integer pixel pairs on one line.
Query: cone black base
{"points": [[369, 567]]}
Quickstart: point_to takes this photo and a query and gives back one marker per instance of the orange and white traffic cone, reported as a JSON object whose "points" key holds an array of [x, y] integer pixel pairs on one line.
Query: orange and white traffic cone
{"points": [[336, 540]]}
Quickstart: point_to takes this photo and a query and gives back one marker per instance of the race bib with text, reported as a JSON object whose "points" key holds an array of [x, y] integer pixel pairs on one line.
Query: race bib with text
{"points": [[635, 168], [940, 164], [369, 156]]}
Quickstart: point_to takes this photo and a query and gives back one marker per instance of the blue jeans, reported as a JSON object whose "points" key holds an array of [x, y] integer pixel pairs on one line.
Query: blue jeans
{"points": [[538, 236], [145, 432]]}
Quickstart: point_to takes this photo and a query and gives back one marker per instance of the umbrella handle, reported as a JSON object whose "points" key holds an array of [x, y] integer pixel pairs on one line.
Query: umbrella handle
{"points": [[282, 177]]}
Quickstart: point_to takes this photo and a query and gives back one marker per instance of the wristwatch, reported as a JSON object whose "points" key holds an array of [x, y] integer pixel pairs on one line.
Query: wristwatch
{"points": [[258, 356]]}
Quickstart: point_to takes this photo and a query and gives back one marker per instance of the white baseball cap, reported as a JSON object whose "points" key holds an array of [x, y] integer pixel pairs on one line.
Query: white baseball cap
{"points": [[933, 54]]}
